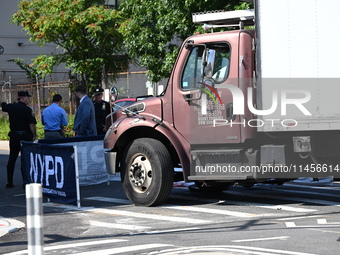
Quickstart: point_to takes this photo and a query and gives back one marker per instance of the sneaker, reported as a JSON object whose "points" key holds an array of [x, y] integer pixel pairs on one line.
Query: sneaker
{"points": [[9, 185]]}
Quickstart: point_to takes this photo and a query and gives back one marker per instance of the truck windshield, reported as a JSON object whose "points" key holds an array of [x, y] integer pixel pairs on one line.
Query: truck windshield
{"points": [[218, 60]]}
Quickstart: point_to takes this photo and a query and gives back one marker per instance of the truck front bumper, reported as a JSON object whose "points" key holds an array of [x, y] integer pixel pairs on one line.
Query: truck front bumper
{"points": [[110, 161]]}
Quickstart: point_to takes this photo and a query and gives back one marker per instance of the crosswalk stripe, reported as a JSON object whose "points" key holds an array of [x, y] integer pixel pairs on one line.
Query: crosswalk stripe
{"points": [[184, 208], [300, 217], [170, 231], [322, 221], [293, 225], [71, 245], [286, 208], [125, 249], [273, 207], [230, 249], [261, 239], [149, 216], [290, 224], [116, 225], [131, 214], [209, 210], [214, 211]]}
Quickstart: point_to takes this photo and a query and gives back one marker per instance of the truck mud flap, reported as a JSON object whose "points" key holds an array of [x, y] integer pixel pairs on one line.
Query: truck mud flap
{"points": [[110, 161]]}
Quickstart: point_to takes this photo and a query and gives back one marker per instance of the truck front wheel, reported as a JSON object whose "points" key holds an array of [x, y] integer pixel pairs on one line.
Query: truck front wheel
{"points": [[147, 172]]}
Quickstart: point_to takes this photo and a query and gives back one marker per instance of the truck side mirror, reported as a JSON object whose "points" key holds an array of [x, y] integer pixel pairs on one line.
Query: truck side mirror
{"points": [[113, 94], [209, 60]]}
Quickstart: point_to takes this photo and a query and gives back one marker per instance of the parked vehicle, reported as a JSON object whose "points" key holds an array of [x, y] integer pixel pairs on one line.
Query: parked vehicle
{"points": [[120, 103], [243, 106]]}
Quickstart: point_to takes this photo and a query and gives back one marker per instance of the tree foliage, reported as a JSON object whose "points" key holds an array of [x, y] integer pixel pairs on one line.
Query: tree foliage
{"points": [[85, 31], [32, 73], [150, 28]]}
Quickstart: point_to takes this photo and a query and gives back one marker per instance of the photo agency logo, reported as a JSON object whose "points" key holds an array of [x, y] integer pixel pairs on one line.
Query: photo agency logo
{"points": [[280, 101]]}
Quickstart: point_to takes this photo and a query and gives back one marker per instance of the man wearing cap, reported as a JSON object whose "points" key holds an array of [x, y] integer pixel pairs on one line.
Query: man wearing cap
{"points": [[102, 109], [23, 128], [54, 118], [85, 121]]}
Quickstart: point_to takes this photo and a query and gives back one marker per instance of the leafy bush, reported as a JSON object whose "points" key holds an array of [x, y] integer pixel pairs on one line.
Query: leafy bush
{"points": [[4, 128]]}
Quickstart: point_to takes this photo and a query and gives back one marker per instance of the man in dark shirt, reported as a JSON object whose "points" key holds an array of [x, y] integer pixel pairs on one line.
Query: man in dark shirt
{"points": [[23, 128], [102, 109], [85, 120]]}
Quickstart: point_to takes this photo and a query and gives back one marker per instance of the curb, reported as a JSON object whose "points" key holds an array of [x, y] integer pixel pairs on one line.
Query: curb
{"points": [[10, 226]]}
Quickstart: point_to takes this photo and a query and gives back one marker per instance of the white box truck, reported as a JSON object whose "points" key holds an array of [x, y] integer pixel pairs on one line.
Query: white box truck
{"points": [[258, 103]]}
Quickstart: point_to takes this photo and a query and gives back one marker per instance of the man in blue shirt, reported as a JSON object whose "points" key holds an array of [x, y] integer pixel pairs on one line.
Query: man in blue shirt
{"points": [[54, 118]]}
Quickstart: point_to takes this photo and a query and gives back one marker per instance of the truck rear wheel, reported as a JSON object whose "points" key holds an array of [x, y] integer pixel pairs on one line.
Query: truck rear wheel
{"points": [[147, 172]]}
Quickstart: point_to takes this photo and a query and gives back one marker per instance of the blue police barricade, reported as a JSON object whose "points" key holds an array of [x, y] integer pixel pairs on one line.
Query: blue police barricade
{"points": [[91, 162], [55, 167]]}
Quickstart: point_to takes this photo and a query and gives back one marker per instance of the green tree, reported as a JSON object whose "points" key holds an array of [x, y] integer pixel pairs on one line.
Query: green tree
{"points": [[150, 28], [31, 72], [86, 32]]}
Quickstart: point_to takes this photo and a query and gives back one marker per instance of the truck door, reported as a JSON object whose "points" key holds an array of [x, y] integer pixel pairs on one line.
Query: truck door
{"points": [[202, 106]]}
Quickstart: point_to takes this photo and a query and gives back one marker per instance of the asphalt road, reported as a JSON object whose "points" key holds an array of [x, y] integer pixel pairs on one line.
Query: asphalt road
{"points": [[266, 219]]}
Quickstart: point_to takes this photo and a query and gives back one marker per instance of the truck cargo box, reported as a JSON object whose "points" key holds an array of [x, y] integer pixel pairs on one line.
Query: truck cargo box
{"points": [[297, 52]]}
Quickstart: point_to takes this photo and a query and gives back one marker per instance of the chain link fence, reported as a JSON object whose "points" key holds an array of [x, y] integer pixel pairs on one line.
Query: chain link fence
{"points": [[42, 91], [129, 84]]}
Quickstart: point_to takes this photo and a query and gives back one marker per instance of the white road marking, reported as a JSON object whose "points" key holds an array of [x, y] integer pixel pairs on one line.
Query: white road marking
{"points": [[117, 225], [260, 205], [286, 208], [300, 217], [184, 208], [290, 224], [322, 221], [321, 225], [131, 214], [209, 210], [124, 249], [230, 248], [170, 231], [71, 245], [262, 239]]}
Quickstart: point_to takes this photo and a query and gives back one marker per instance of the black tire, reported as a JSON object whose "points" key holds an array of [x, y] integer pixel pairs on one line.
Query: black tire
{"points": [[147, 172]]}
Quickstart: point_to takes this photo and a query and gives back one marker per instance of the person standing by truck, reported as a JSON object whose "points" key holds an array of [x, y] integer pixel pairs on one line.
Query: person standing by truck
{"points": [[23, 128], [102, 109], [84, 122], [54, 118]]}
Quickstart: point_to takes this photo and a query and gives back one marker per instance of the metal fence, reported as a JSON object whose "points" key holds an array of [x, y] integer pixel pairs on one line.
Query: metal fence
{"points": [[42, 94], [129, 84]]}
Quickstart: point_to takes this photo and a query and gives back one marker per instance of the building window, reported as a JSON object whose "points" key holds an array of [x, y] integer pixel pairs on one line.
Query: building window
{"points": [[112, 4]]}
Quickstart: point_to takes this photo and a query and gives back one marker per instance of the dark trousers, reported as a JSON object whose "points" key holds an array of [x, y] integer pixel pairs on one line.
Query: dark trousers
{"points": [[14, 146]]}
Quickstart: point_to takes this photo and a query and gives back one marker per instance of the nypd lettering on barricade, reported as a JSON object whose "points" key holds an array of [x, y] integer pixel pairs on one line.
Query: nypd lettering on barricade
{"points": [[47, 166], [54, 167]]}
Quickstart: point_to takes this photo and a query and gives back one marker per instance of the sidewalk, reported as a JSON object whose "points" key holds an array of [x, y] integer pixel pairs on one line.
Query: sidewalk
{"points": [[4, 145], [9, 226]]}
